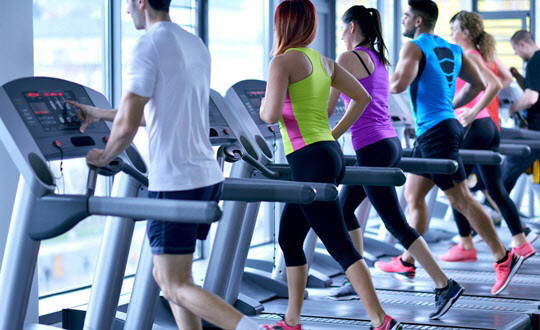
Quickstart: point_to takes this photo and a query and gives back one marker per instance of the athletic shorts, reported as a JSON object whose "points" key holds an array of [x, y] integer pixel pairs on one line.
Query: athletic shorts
{"points": [[179, 238], [442, 141]]}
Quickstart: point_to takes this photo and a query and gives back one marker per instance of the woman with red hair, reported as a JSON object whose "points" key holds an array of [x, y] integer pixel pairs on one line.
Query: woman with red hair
{"points": [[297, 93]]}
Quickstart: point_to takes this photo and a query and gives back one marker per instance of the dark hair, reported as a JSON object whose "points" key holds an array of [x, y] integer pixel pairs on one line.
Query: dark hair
{"points": [[427, 9], [161, 5], [522, 35], [483, 41], [295, 23], [369, 22]]}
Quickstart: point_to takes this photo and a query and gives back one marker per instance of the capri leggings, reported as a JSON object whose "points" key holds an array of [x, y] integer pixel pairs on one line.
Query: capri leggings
{"points": [[318, 162], [384, 153], [484, 135]]}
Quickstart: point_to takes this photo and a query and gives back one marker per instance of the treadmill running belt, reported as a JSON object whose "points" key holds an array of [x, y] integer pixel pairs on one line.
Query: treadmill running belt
{"points": [[353, 310]]}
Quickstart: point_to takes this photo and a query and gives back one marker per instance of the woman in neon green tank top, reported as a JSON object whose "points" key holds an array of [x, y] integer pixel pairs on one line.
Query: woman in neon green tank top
{"points": [[297, 96]]}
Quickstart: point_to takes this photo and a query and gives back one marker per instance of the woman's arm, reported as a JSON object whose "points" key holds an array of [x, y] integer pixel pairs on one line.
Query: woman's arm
{"points": [[493, 87], [276, 90], [345, 82]]}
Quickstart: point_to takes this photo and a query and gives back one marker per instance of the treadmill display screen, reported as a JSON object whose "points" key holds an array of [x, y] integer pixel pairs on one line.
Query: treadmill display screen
{"points": [[252, 100], [50, 110], [216, 119]]}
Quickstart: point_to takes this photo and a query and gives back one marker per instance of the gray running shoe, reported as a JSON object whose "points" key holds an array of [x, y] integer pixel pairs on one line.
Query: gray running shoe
{"points": [[345, 292]]}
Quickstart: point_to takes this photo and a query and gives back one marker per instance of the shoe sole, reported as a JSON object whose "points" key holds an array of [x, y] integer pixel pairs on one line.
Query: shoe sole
{"points": [[345, 298], [465, 260], [446, 307], [398, 276], [525, 257], [398, 326], [512, 273]]}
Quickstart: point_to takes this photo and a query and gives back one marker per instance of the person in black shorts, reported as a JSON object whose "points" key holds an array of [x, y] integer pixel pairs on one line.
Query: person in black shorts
{"points": [[430, 66]]}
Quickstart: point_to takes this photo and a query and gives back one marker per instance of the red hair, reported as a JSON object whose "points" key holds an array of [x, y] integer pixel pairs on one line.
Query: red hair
{"points": [[295, 24]]}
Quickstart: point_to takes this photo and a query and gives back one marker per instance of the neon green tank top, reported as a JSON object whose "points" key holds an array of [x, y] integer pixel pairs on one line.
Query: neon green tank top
{"points": [[304, 119]]}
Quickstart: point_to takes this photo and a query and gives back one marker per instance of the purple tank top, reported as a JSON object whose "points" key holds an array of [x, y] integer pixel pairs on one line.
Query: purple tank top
{"points": [[374, 124]]}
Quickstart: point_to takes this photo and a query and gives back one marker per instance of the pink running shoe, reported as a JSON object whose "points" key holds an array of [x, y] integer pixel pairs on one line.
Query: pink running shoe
{"points": [[389, 324], [526, 250], [505, 271], [281, 325], [396, 267], [458, 253]]}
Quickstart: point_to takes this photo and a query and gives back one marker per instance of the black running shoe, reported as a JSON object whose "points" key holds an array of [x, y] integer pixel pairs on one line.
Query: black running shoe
{"points": [[444, 299]]}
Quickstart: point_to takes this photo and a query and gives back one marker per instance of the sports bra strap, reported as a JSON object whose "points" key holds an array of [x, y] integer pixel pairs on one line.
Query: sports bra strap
{"points": [[363, 63]]}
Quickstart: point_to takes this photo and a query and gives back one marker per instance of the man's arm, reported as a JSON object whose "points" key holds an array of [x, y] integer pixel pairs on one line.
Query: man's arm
{"points": [[527, 100], [407, 68], [470, 74], [126, 123], [519, 78]]}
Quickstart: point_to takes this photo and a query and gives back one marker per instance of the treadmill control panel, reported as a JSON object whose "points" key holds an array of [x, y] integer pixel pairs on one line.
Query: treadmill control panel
{"points": [[220, 132], [252, 100], [49, 110], [399, 108], [51, 121]]}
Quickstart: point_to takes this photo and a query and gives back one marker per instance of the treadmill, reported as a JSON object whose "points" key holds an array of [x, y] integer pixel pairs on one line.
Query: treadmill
{"points": [[146, 310], [322, 313], [37, 126]]}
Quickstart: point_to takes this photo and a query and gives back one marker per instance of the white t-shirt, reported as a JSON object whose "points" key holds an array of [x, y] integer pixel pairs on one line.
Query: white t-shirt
{"points": [[172, 67]]}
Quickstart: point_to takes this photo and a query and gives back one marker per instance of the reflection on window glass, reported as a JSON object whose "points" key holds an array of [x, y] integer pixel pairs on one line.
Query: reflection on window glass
{"points": [[341, 8], [503, 5], [68, 44], [68, 40], [237, 33], [183, 13]]}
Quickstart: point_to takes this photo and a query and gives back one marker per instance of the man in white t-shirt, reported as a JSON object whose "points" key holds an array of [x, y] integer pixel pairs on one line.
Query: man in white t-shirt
{"points": [[167, 90]]}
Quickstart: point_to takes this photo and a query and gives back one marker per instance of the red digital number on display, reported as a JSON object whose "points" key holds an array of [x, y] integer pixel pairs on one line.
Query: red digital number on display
{"points": [[32, 94]]}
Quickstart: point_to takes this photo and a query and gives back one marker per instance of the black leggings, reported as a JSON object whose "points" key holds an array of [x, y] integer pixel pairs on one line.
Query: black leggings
{"points": [[317, 162], [484, 135], [384, 153]]}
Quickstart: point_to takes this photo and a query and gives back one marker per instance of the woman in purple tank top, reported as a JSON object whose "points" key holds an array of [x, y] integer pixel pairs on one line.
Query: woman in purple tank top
{"points": [[376, 144]]}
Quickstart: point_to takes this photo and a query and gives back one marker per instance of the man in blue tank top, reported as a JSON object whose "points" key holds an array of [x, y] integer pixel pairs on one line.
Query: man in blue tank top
{"points": [[429, 66]]}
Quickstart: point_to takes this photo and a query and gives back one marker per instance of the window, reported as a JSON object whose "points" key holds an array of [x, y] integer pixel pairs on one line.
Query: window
{"points": [[502, 18], [237, 41], [502, 5], [68, 44], [341, 8]]}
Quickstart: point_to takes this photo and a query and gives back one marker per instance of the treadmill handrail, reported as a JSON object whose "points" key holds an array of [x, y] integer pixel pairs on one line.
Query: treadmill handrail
{"points": [[422, 165], [357, 175], [264, 190], [65, 211], [419, 165], [533, 144], [520, 134], [519, 150], [477, 157]]}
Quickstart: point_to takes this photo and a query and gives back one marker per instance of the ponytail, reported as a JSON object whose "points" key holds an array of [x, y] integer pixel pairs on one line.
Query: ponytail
{"points": [[483, 41], [369, 22], [486, 45]]}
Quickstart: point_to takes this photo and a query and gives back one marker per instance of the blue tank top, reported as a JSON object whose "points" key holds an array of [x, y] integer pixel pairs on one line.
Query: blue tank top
{"points": [[432, 91]]}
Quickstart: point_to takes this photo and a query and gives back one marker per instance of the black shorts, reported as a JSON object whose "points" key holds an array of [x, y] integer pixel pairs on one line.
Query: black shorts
{"points": [[442, 141], [179, 238]]}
